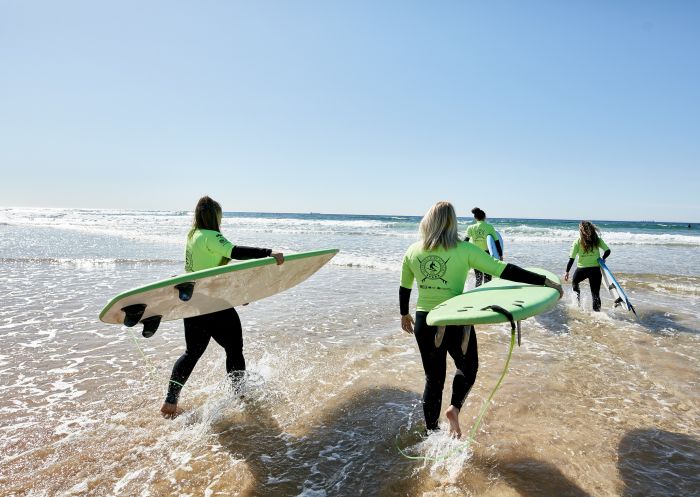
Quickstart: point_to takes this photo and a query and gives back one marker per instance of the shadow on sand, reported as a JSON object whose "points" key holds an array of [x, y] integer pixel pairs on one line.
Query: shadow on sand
{"points": [[658, 321], [533, 477], [657, 462], [555, 322], [350, 451]]}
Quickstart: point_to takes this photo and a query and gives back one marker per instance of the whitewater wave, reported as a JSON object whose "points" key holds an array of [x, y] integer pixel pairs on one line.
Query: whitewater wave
{"points": [[85, 262], [537, 234], [170, 226], [665, 284]]}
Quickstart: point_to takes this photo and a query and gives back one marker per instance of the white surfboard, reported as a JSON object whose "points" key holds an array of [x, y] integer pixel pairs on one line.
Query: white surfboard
{"points": [[211, 290], [616, 292], [491, 244]]}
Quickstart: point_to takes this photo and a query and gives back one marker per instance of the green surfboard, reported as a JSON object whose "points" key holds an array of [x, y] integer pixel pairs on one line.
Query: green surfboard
{"points": [[521, 300], [211, 290]]}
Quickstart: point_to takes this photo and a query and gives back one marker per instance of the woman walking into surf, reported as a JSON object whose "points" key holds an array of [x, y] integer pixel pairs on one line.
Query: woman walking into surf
{"points": [[587, 248], [206, 248], [439, 263]]}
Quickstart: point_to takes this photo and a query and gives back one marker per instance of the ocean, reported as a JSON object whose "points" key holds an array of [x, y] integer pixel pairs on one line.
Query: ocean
{"points": [[597, 404]]}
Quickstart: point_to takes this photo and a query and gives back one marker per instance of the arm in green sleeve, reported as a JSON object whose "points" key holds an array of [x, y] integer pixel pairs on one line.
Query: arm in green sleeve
{"points": [[407, 276], [478, 259], [574, 250], [219, 245]]}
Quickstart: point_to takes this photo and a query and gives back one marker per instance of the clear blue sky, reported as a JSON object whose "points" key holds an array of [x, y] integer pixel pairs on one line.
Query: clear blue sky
{"points": [[560, 109]]}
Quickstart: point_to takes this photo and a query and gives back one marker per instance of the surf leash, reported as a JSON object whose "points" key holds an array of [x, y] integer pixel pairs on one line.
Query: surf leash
{"points": [[472, 432], [152, 371]]}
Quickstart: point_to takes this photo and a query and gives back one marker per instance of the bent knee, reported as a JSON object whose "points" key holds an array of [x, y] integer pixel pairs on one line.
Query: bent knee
{"points": [[194, 354], [469, 375]]}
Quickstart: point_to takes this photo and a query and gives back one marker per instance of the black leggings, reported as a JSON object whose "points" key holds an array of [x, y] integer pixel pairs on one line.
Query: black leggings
{"points": [[225, 328], [435, 366], [593, 275], [481, 277]]}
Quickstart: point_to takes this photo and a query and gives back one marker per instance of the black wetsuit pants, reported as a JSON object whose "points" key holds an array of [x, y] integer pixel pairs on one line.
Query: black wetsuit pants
{"points": [[435, 365], [225, 328], [594, 276], [481, 277]]}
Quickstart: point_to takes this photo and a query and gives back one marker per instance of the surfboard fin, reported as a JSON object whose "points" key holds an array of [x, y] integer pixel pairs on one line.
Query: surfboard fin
{"points": [[150, 325], [133, 314], [185, 290], [509, 317], [635, 312]]}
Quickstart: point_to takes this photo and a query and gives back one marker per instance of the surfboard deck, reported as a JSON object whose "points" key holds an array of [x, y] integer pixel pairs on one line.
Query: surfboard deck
{"points": [[211, 290], [491, 244], [521, 300], [616, 292]]}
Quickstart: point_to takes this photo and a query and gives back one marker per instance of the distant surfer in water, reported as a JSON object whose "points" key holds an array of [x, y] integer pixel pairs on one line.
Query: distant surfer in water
{"points": [[440, 263], [206, 248], [587, 248], [477, 233]]}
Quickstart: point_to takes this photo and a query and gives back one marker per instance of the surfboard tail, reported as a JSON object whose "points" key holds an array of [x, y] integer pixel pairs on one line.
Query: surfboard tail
{"points": [[618, 294]]}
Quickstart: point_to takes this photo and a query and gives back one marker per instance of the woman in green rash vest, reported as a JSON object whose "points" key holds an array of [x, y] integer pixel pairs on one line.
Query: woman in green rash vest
{"points": [[477, 233], [440, 263], [206, 248], [587, 248]]}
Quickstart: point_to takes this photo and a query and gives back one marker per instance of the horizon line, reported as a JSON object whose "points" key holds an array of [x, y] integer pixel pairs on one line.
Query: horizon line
{"points": [[314, 213]]}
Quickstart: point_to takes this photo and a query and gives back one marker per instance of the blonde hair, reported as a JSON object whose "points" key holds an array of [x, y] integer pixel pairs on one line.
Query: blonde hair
{"points": [[439, 227]]}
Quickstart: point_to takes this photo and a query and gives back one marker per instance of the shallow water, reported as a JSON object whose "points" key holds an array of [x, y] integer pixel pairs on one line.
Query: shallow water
{"points": [[593, 403]]}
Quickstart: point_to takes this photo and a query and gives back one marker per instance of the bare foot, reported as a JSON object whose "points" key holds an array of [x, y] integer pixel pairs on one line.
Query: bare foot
{"points": [[168, 410], [452, 414]]}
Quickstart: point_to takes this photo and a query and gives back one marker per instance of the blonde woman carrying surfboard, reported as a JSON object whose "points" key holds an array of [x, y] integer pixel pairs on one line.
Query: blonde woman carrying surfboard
{"points": [[439, 263]]}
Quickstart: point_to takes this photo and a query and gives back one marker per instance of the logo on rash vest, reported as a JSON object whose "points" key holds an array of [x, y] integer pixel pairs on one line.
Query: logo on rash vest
{"points": [[433, 268], [221, 238]]}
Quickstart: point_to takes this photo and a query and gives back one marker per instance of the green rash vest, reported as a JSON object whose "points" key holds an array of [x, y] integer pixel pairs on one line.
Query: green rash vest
{"points": [[478, 232], [441, 273], [206, 249], [587, 259]]}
